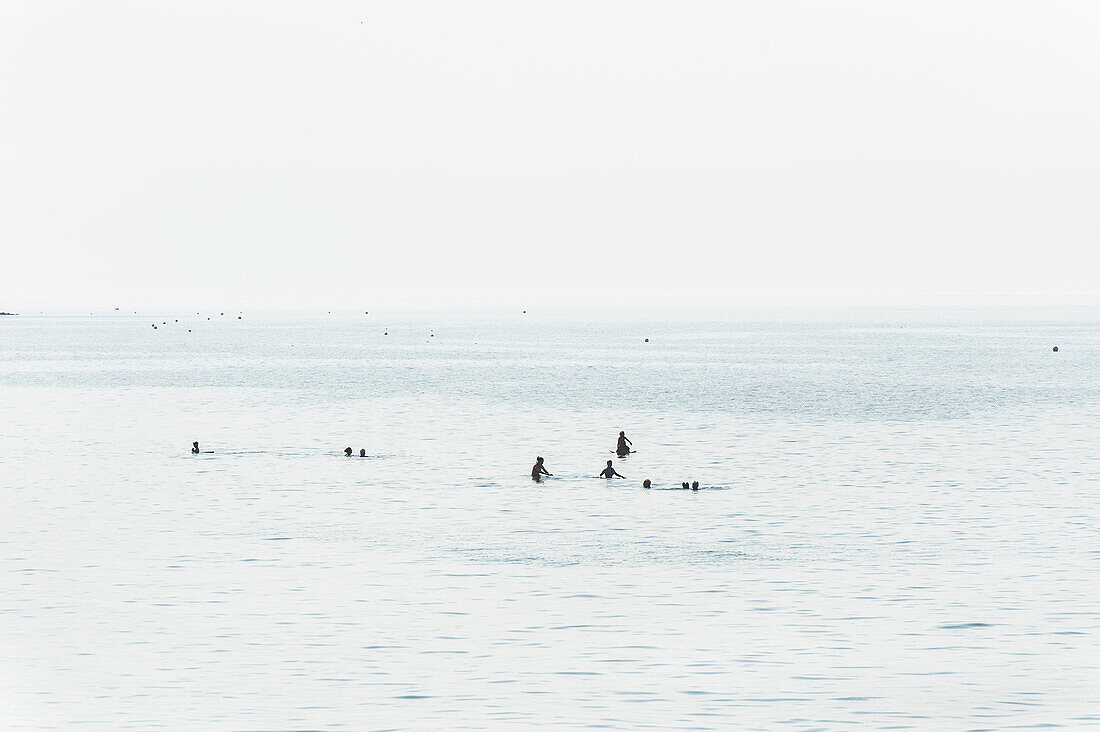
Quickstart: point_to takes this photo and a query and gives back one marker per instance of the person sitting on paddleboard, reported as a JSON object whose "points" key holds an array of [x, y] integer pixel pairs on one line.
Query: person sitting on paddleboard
{"points": [[538, 469], [623, 448], [609, 472]]}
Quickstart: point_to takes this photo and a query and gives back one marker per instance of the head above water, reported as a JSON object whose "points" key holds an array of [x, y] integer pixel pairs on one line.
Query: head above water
{"points": [[609, 463], [347, 451], [646, 483], [695, 485], [362, 453]]}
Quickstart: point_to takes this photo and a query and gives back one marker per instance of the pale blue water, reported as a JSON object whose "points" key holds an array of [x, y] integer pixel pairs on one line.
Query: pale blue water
{"points": [[898, 531]]}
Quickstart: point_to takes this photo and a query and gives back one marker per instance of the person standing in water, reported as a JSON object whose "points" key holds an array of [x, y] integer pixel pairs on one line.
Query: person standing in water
{"points": [[194, 448], [538, 470], [623, 448], [609, 472]]}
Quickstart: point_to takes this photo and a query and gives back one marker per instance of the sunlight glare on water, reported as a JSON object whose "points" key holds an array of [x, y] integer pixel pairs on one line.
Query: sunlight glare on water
{"points": [[897, 527]]}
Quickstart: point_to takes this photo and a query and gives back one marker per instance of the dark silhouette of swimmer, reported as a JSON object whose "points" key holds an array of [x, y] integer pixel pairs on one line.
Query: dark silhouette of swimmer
{"points": [[695, 485], [538, 469], [347, 451], [684, 485], [609, 472], [362, 453], [646, 483], [623, 448], [194, 448]]}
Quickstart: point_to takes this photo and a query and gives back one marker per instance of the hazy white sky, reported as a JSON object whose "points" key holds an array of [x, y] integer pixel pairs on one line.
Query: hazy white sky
{"points": [[350, 154]]}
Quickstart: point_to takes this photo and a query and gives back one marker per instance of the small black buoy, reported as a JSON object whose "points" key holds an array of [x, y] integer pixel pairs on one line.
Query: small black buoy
{"points": [[188, 330], [238, 317], [1056, 349], [177, 320], [524, 312], [647, 340]]}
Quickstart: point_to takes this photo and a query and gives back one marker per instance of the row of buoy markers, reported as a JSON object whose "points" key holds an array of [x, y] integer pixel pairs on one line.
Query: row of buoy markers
{"points": [[386, 332]]}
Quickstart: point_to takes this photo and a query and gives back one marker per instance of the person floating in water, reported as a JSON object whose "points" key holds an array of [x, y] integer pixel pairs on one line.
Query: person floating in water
{"points": [[347, 451], [623, 448], [646, 483], [695, 485], [362, 453], [609, 472], [684, 485], [538, 469], [194, 448]]}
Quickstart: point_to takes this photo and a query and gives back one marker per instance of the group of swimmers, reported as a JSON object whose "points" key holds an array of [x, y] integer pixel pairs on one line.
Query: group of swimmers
{"points": [[622, 449]]}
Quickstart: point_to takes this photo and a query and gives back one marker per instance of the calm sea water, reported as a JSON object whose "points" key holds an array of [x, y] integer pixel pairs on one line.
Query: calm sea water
{"points": [[898, 527]]}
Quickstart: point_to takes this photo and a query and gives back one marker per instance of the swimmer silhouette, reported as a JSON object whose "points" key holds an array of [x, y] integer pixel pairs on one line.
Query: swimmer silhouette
{"points": [[609, 472], [684, 485], [538, 470], [194, 448], [623, 448], [347, 451], [362, 453], [646, 483], [695, 485]]}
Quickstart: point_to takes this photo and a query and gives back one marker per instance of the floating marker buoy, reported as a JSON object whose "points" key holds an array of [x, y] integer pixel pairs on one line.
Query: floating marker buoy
{"points": [[188, 330], [1056, 349], [238, 317], [647, 340]]}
